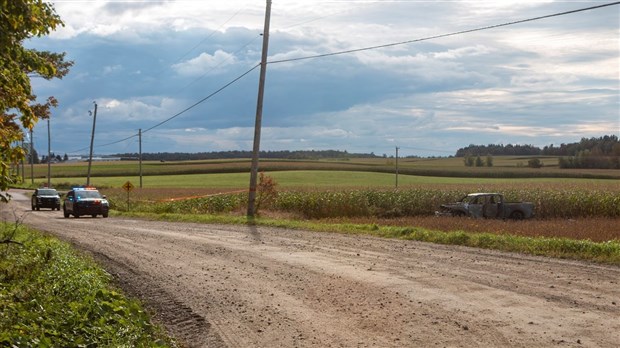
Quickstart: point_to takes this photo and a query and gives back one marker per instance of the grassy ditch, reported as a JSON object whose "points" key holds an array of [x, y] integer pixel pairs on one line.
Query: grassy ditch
{"points": [[558, 247], [51, 297]]}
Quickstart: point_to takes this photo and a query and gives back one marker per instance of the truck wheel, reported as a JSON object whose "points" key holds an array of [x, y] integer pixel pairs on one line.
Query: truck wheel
{"points": [[64, 212], [517, 215]]}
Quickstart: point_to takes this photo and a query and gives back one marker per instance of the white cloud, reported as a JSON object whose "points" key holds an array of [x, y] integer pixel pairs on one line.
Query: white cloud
{"points": [[554, 79], [461, 52], [205, 64], [111, 68]]}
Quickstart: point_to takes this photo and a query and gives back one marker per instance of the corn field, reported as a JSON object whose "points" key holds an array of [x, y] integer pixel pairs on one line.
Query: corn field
{"points": [[549, 203]]}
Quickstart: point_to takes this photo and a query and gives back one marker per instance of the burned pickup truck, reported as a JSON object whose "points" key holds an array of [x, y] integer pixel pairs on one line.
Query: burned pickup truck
{"points": [[487, 205]]}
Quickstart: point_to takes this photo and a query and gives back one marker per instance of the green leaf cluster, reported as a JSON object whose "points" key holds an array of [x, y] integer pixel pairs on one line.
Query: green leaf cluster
{"points": [[21, 20]]}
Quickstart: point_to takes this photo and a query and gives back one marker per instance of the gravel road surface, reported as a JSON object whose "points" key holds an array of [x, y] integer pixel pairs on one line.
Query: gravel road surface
{"points": [[243, 286]]}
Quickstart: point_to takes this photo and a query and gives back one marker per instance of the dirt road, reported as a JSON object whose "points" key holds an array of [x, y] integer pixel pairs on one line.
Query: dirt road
{"points": [[240, 286]]}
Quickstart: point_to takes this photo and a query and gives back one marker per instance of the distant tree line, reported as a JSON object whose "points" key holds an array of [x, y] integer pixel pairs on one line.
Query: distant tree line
{"points": [[34, 157], [477, 161], [602, 152], [498, 150], [300, 155]]}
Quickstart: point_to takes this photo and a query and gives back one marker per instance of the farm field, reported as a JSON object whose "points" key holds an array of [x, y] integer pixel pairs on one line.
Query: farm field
{"points": [[326, 192], [504, 167], [318, 179]]}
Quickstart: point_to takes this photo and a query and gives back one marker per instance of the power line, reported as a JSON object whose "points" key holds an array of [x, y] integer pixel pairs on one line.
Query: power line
{"points": [[219, 64], [443, 35], [202, 100], [360, 50], [180, 112], [210, 35], [203, 40]]}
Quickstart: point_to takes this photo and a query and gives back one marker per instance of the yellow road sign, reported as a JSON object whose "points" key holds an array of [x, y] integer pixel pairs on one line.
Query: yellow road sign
{"points": [[128, 186]]}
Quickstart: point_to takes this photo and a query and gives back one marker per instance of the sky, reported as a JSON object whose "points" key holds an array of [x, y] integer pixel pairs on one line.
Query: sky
{"points": [[186, 73]]}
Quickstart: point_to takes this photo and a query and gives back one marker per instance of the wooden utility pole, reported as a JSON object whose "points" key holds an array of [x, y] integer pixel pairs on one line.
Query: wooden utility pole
{"points": [[92, 140], [140, 154], [49, 155], [31, 158], [396, 166], [259, 114], [23, 168]]}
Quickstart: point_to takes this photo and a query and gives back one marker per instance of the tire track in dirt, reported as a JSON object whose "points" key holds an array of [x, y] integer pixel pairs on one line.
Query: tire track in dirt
{"points": [[189, 328]]}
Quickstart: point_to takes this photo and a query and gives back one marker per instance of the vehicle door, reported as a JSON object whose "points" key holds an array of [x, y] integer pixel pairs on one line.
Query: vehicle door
{"points": [[69, 201], [475, 206], [491, 206]]}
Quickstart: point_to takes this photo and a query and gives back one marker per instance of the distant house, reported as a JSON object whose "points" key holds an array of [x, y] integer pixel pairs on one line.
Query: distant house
{"points": [[82, 158]]}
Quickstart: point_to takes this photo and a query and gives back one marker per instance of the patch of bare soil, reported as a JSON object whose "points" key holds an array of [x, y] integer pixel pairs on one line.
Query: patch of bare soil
{"points": [[244, 286]]}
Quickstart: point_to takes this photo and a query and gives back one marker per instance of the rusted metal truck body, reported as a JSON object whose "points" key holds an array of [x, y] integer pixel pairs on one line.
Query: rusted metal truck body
{"points": [[487, 205]]}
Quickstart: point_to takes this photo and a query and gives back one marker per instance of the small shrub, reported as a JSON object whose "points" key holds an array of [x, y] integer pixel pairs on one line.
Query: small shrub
{"points": [[267, 192], [534, 163]]}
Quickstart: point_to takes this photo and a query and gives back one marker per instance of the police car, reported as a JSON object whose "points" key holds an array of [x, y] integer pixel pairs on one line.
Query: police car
{"points": [[85, 201]]}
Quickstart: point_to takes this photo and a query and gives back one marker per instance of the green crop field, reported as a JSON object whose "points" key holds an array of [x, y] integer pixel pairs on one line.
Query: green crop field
{"points": [[504, 167], [311, 179]]}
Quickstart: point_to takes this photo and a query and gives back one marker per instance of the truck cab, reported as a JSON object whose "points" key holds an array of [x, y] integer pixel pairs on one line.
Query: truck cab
{"points": [[487, 205]]}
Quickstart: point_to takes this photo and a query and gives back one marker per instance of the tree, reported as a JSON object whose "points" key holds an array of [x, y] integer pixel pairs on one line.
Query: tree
{"points": [[34, 158], [489, 161], [479, 162], [21, 20], [468, 160]]}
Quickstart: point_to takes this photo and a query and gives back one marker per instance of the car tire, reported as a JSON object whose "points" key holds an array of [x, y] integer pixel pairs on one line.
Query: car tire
{"points": [[94, 215], [517, 215], [105, 215], [64, 212]]}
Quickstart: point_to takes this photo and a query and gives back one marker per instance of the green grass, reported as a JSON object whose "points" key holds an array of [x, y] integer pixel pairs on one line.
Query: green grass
{"points": [[307, 178], [52, 297]]}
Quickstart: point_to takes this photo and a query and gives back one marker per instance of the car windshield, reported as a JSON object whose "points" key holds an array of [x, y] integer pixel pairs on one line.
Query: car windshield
{"points": [[87, 194], [48, 192]]}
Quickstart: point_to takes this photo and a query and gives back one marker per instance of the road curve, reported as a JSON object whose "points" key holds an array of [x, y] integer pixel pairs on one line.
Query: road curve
{"points": [[245, 286]]}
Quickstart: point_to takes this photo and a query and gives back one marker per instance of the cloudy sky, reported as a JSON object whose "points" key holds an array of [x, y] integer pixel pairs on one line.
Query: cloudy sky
{"points": [[144, 63]]}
